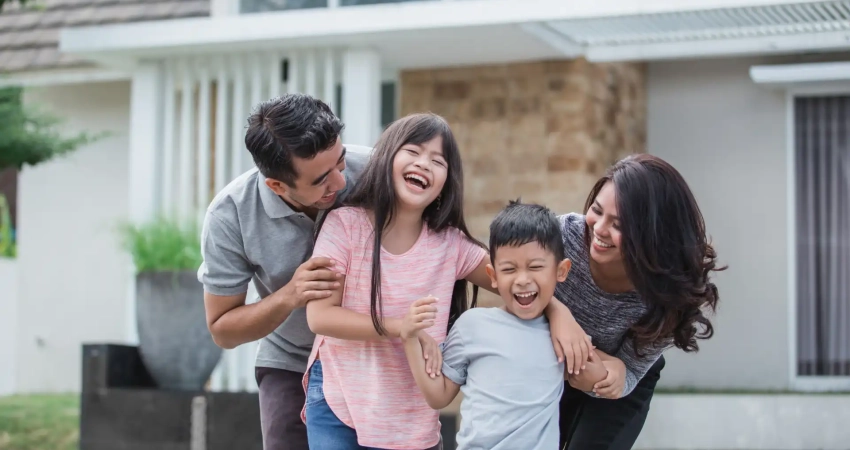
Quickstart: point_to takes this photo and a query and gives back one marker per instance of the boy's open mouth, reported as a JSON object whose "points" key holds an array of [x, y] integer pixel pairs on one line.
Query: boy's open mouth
{"points": [[525, 298]]}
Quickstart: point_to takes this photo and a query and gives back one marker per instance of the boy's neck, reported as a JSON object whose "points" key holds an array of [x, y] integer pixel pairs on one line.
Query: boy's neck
{"points": [[505, 309]]}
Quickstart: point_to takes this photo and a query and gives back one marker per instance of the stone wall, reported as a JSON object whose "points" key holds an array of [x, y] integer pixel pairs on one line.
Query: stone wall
{"points": [[543, 131]]}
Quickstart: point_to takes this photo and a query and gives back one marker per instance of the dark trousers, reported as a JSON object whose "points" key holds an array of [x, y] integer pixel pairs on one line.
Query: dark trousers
{"points": [[281, 400], [589, 423]]}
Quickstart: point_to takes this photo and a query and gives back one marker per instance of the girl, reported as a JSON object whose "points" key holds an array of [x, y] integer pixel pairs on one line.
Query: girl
{"points": [[401, 237], [639, 284]]}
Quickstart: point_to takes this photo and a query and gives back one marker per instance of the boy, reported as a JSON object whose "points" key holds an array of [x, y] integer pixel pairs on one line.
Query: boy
{"points": [[502, 358]]}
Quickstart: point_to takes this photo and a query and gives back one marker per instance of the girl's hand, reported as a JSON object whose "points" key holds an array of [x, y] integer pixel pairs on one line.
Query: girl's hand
{"points": [[568, 338], [432, 354], [612, 386], [421, 315]]}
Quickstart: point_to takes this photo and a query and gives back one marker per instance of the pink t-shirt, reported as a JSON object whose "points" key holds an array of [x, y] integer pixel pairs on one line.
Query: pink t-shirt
{"points": [[368, 384]]}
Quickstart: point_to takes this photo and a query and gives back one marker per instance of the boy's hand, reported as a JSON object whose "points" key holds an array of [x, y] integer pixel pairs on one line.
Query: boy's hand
{"points": [[421, 315], [612, 386], [432, 354], [570, 340]]}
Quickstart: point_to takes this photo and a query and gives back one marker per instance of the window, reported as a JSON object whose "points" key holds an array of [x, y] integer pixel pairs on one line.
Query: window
{"points": [[822, 199], [255, 6]]}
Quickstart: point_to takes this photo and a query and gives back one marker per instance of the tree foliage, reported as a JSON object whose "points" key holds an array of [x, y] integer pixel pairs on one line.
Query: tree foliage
{"points": [[29, 136]]}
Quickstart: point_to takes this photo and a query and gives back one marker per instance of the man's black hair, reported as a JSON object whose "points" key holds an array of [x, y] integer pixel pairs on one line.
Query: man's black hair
{"points": [[294, 125], [521, 223]]}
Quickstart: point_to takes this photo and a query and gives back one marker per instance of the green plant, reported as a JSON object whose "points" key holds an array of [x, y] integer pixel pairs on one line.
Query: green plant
{"points": [[7, 242], [29, 136], [163, 245]]}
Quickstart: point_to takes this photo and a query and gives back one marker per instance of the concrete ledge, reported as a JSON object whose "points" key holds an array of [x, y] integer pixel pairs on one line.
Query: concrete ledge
{"points": [[751, 422]]}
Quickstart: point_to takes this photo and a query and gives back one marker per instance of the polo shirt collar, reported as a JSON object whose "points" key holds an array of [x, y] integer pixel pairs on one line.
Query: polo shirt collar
{"points": [[275, 207]]}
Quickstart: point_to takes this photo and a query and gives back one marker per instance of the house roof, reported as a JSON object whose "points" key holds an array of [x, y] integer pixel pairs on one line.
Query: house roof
{"points": [[29, 36]]}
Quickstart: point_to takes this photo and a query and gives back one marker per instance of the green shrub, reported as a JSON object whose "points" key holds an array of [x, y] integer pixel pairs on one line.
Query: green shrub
{"points": [[7, 240], [163, 245]]}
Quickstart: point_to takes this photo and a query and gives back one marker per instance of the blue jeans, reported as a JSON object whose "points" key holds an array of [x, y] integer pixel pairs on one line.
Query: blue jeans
{"points": [[324, 429]]}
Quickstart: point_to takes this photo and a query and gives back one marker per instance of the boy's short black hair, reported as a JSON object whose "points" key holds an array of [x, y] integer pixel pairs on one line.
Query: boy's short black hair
{"points": [[293, 125], [520, 223]]}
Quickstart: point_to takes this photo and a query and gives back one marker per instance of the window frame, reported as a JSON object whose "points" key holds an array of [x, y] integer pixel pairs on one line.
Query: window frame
{"points": [[803, 383]]}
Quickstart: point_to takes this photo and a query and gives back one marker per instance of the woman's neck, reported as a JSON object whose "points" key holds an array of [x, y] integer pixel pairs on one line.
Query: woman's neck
{"points": [[611, 278]]}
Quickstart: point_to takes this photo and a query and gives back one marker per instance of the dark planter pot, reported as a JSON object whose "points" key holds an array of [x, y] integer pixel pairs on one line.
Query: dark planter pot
{"points": [[174, 342]]}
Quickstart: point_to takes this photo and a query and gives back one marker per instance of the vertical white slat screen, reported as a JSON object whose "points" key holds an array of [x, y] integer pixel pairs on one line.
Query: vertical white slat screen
{"points": [[310, 74], [204, 142], [168, 138], [329, 84], [222, 107], [206, 105], [187, 110]]}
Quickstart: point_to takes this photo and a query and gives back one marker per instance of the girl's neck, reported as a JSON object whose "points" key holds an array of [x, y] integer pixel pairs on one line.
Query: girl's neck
{"points": [[611, 278], [402, 232]]}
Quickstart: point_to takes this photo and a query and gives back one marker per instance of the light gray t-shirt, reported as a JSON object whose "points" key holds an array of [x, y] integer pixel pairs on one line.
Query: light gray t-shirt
{"points": [[510, 378], [251, 233]]}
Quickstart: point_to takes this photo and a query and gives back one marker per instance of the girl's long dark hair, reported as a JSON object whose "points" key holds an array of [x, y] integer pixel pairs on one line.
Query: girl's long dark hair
{"points": [[666, 253], [375, 192]]}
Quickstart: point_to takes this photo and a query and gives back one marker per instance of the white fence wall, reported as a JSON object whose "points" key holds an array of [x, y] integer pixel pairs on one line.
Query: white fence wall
{"points": [[205, 105]]}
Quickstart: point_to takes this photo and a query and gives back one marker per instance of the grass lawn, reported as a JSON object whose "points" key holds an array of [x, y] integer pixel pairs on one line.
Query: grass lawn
{"points": [[39, 422]]}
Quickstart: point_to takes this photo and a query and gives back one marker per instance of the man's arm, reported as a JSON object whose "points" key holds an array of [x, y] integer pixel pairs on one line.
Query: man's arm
{"points": [[439, 391], [232, 323]]}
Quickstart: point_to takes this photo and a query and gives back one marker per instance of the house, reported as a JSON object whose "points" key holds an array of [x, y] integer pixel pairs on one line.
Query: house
{"points": [[749, 99]]}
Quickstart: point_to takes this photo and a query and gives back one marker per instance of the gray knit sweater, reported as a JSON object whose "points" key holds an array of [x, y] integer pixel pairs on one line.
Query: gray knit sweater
{"points": [[605, 317]]}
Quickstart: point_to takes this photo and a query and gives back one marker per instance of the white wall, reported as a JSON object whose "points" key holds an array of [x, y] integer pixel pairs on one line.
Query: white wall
{"points": [[728, 138], [8, 324], [73, 277]]}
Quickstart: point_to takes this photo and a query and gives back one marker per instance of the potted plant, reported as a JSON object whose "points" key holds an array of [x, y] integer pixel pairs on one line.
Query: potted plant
{"points": [[174, 342], [7, 235]]}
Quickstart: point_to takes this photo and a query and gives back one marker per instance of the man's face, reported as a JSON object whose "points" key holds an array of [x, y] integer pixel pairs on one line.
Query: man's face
{"points": [[319, 180]]}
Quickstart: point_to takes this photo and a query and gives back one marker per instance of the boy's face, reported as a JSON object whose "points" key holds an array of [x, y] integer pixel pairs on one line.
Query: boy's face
{"points": [[525, 277]]}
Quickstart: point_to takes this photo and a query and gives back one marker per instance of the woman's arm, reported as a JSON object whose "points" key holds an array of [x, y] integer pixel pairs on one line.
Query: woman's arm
{"points": [[568, 338], [328, 318], [597, 369]]}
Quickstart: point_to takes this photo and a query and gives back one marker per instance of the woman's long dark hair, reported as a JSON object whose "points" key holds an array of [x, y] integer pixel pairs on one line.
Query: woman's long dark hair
{"points": [[665, 251], [375, 192]]}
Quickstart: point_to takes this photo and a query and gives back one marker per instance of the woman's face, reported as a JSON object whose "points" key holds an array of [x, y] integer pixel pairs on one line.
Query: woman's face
{"points": [[604, 225]]}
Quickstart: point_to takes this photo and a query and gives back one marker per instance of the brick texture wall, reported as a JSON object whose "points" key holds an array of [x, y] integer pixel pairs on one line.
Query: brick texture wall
{"points": [[544, 131]]}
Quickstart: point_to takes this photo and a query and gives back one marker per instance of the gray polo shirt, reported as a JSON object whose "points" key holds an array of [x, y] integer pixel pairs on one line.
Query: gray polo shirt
{"points": [[510, 378], [249, 234]]}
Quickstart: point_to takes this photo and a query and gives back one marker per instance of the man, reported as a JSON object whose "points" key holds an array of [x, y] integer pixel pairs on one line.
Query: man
{"points": [[261, 227]]}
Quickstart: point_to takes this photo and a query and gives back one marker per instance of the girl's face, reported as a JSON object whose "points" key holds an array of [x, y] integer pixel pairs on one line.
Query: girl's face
{"points": [[604, 225], [419, 174]]}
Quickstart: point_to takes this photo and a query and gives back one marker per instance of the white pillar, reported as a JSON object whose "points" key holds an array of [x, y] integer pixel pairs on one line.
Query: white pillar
{"points": [[361, 96], [145, 144]]}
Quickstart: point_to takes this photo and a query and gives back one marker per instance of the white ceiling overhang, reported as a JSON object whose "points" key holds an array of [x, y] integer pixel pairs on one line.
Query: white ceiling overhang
{"points": [[438, 33]]}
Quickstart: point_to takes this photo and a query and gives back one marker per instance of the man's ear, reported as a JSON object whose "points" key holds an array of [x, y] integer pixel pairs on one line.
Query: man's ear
{"points": [[563, 269], [278, 187], [492, 274]]}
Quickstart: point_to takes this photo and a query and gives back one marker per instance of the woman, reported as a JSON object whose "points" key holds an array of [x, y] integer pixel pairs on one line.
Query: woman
{"points": [[639, 285]]}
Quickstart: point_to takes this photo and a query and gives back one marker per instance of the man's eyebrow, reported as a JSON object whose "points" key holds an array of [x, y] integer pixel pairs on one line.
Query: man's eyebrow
{"points": [[325, 175]]}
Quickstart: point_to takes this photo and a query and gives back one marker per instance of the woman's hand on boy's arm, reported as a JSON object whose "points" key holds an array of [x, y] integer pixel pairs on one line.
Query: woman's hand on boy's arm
{"points": [[572, 344], [615, 381], [594, 372]]}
